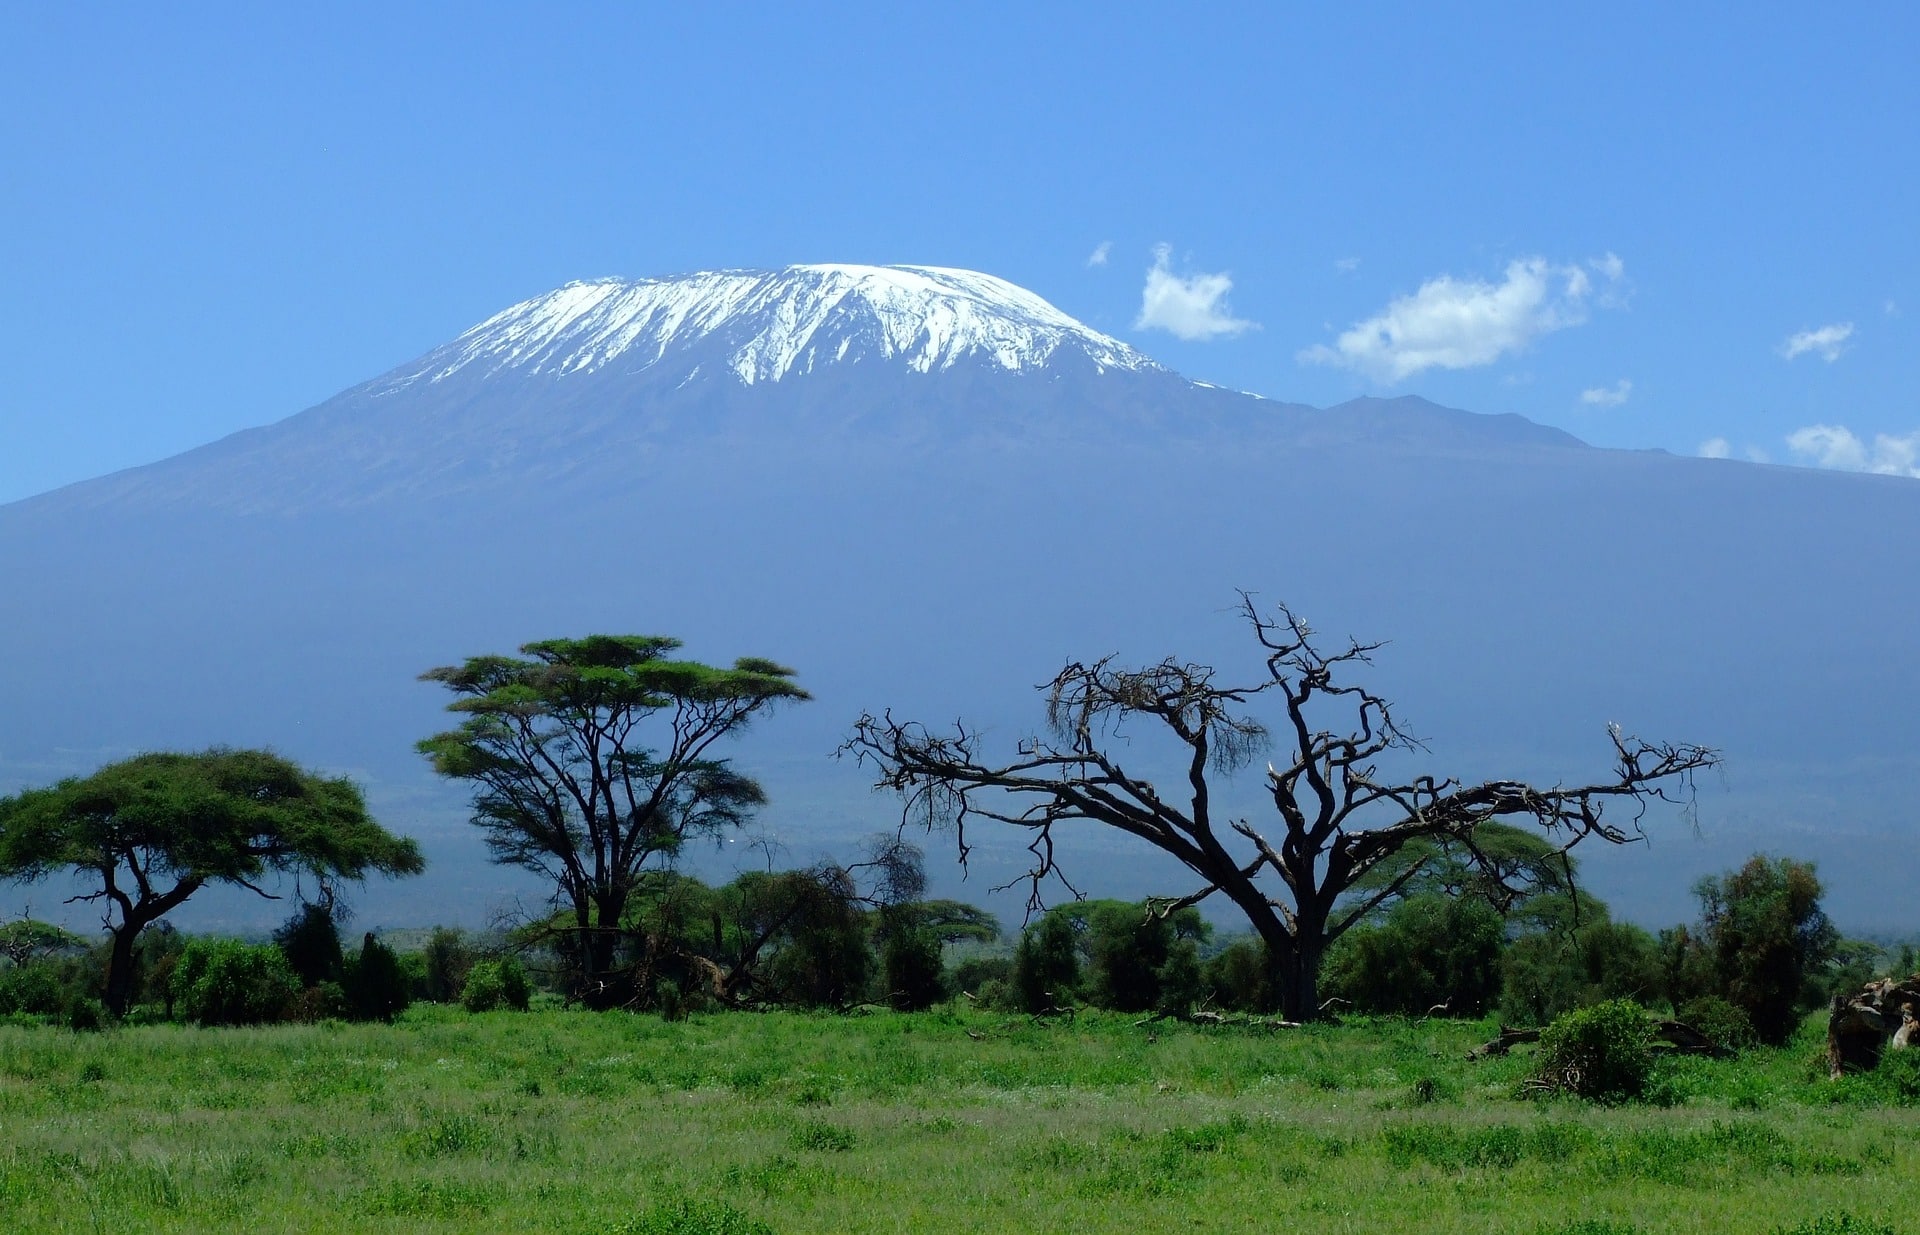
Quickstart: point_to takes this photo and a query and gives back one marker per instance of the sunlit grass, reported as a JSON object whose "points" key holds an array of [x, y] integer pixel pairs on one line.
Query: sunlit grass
{"points": [[742, 1124]]}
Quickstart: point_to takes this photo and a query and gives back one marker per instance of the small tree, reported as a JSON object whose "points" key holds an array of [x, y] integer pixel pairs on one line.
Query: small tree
{"points": [[1339, 816], [1766, 935], [592, 761], [151, 831]]}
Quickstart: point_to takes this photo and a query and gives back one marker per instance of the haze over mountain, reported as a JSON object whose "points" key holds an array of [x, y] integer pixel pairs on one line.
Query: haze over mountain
{"points": [[926, 489]]}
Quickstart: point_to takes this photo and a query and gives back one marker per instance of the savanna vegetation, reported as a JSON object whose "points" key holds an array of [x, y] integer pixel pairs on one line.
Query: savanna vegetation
{"points": [[1415, 1017]]}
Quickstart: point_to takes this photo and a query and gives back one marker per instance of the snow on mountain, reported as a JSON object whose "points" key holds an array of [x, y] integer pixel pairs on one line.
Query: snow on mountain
{"points": [[768, 324]]}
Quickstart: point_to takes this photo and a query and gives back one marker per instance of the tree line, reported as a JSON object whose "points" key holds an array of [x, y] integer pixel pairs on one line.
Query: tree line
{"points": [[594, 763]]}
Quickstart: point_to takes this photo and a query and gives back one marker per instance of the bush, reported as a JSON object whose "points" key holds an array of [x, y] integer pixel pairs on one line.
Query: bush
{"points": [[1046, 964], [1431, 951], [973, 973], [311, 943], [34, 989], [374, 982], [1552, 972], [1604, 1052], [493, 985], [913, 969], [1240, 977], [447, 963], [226, 982], [1725, 1025]]}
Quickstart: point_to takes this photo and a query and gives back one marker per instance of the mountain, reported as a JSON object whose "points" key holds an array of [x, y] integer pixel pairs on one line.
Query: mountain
{"points": [[926, 489]]}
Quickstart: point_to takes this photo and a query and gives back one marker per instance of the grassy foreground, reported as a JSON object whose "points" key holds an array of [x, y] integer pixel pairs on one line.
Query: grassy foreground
{"points": [[740, 1124]]}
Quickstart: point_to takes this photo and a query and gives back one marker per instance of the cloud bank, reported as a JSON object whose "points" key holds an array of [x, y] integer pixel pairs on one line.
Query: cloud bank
{"points": [[1192, 308], [1465, 323], [1827, 342], [1835, 446]]}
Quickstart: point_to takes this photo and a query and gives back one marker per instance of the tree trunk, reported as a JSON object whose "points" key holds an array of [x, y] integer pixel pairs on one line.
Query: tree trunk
{"points": [[118, 995], [1298, 974]]}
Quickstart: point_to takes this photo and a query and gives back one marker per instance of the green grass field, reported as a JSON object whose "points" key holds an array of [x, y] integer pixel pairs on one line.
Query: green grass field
{"points": [[731, 1124]]}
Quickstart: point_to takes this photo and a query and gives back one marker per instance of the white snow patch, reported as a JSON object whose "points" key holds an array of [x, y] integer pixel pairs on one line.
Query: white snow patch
{"points": [[770, 324]]}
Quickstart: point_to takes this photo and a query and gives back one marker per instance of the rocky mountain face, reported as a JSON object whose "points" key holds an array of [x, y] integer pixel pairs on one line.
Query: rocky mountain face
{"points": [[926, 489]]}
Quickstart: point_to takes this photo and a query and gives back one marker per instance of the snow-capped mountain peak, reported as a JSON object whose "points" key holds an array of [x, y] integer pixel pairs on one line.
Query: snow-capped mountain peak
{"points": [[765, 325]]}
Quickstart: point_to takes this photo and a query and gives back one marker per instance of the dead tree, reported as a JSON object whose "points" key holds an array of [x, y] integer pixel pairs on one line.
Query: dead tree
{"points": [[1338, 816]]}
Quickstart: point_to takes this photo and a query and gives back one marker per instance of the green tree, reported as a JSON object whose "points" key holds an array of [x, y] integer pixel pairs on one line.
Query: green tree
{"points": [[150, 831], [1766, 935], [593, 758], [1046, 964]]}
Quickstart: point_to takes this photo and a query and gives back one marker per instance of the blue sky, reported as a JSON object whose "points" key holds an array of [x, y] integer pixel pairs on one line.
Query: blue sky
{"points": [[1654, 226]]}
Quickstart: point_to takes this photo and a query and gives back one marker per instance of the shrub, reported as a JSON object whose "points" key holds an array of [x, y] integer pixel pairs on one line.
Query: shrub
{"points": [[226, 982], [973, 973], [311, 943], [1431, 950], [913, 969], [492, 985], [447, 963], [374, 982], [1550, 972], [1240, 977], [1725, 1025], [1604, 1052], [1046, 965], [34, 989]]}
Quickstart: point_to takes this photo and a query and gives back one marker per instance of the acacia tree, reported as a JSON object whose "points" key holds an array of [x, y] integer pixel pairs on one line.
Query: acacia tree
{"points": [[592, 759], [153, 830], [1339, 817]]}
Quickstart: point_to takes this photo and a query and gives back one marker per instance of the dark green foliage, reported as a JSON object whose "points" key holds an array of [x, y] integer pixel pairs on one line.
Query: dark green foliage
{"points": [[1046, 964], [1240, 976], [226, 982], [495, 985], [1431, 951], [912, 968], [1548, 972], [34, 989], [1725, 1025], [1604, 1052], [310, 940], [1766, 935], [976, 971], [566, 786], [375, 984], [152, 830], [447, 960], [1129, 946]]}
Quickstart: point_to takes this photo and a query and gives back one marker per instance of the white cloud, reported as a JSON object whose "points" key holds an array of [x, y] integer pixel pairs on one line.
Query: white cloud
{"points": [[1716, 448], [1100, 254], [1189, 308], [1827, 342], [1347, 265], [1891, 308], [1835, 446], [1607, 396], [1464, 323]]}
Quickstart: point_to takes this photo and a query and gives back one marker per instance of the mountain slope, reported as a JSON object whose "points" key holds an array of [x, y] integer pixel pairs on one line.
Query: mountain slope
{"points": [[935, 518]]}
